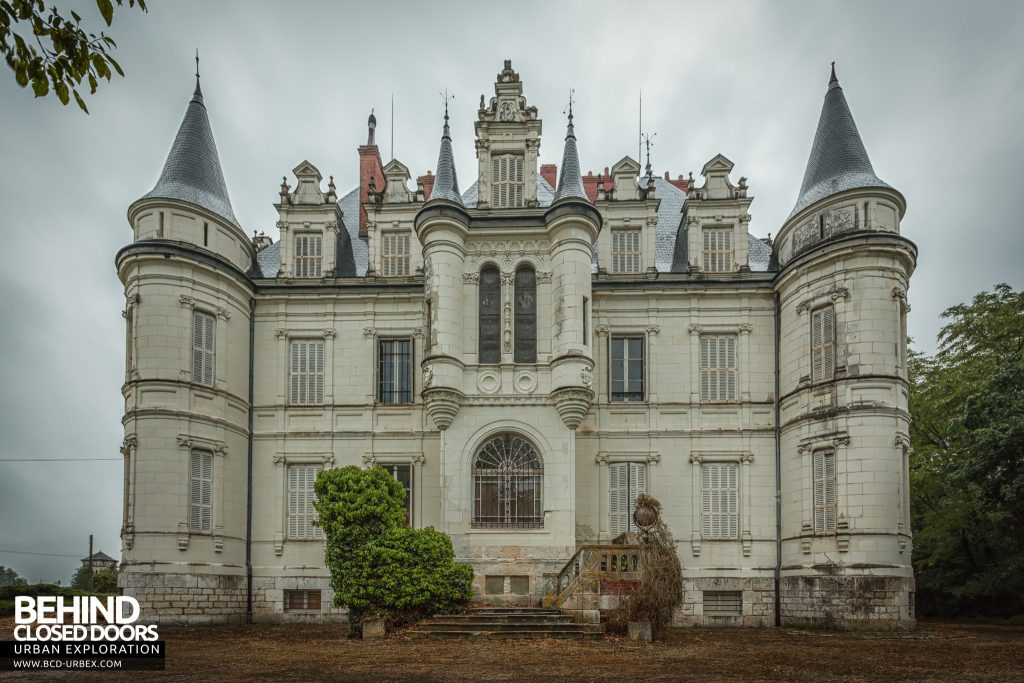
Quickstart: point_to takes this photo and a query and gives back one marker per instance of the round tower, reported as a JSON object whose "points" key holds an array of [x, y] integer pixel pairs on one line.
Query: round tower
{"points": [[186, 390], [841, 293]]}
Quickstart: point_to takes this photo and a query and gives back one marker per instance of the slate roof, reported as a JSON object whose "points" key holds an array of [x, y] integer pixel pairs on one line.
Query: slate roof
{"points": [[838, 159], [192, 172], [99, 556], [446, 182], [570, 181], [669, 252]]}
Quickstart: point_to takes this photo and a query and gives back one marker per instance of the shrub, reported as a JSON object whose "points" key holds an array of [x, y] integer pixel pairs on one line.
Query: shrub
{"points": [[660, 589], [380, 568]]}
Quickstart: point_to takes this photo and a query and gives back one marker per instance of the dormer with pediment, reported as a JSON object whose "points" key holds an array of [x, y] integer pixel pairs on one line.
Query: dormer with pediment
{"points": [[310, 223], [393, 248], [629, 209], [717, 221], [507, 146]]}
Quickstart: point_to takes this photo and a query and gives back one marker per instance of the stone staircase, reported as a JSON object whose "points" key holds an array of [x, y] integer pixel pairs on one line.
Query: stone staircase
{"points": [[507, 623]]}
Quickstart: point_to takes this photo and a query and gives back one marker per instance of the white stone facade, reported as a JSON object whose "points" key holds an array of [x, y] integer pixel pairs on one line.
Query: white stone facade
{"points": [[769, 409]]}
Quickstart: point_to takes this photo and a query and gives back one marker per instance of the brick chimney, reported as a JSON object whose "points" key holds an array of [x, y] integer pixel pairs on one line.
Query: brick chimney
{"points": [[680, 182], [550, 173], [591, 181], [427, 181], [371, 168]]}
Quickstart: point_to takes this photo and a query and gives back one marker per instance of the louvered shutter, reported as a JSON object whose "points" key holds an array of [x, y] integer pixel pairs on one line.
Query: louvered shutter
{"points": [[293, 374], [731, 500], [824, 491], [637, 485], [318, 372], [517, 181], [730, 368], [618, 498], [208, 349], [706, 502], [200, 490], [828, 337], [705, 368], [293, 502], [202, 348], [207, 490], [830, 490]]}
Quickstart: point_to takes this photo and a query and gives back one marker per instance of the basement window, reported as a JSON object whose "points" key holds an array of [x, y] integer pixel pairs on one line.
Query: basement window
{"points": [[302, 601], [723, 603]]}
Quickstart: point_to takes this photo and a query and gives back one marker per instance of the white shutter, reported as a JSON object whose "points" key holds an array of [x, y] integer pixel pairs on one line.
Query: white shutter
{"points": [[200, 490], [301, 513], [705, 501], [293, 502], [824, 491], [618, 498], [637, 485], [731, 501], [718, 368], [830, 490], [705, 368], [202, 348], [293, 374], [823, 343], [720, 500], [318, 372], [730, 368]]}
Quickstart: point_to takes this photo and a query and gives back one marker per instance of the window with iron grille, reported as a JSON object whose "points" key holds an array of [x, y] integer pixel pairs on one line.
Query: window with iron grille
{"points": [[490, 315], [718, 368], [306, 372], [394, 254], [508, 481], [824, 491], [203, 355], [627, 369], [308, 255], [625, 251], [626, 480], [200, 508], [403, 475], [823, 343], [301, 514], [526, 316], [720, 500], [723, 603], [302, 601], [394, 373], [718, 256], [506, 181]]}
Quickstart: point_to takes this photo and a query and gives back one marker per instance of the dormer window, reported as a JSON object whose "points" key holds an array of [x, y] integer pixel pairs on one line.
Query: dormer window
{"points": [[308, 255], [718, 254], [506, 181], [394, 254]]}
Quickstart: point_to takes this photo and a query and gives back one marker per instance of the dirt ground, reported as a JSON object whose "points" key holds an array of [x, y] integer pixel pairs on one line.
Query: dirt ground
{"points": [[935, 652]]}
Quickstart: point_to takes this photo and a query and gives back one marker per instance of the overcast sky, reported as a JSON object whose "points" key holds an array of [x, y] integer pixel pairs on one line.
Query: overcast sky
{"points": [[936, 88]]}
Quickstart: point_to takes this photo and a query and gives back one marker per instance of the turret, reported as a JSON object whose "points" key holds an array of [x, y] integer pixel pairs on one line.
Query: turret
{"points": [[188, 297], [842, 386], [573, 224], [441, 226]]}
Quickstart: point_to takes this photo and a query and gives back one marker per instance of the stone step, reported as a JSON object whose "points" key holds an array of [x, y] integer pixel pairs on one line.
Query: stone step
{"points": [[490, 626], [502, 619], [514, 610], [561, 634]]}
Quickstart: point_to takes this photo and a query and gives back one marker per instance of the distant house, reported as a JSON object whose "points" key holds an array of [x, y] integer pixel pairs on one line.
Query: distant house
{"points": [[101, 562]]}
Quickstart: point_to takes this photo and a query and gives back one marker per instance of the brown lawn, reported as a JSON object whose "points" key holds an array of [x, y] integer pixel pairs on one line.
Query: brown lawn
{"points": [[935, 652]]}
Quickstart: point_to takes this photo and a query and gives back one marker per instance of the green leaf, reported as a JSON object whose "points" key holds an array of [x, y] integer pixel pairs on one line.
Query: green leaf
{"points": [[81, 103], [107, 10], [21, 75], [40, 86], [62, 92], [78, 19], [117, 67]]}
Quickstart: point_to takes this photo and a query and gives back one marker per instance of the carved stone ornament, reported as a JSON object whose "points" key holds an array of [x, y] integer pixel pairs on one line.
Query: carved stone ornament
{"points": [[369, 331], [129, 444], [746, 328], [186, 301], [544, 276], [428, 377], [572, 405], [841, 441], [903, 441], [223, 313], [587, 376], [695, 328], [653, 329], [442, 406], [281, 333], [471, 278], [329, 332]]}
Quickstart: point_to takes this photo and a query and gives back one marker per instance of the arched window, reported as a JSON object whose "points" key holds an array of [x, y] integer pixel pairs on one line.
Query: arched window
{"points": [[526, 315], [490, 315], [508, 481]]}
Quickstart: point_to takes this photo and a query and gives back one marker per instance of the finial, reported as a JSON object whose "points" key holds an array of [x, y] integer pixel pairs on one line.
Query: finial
{"points": [[446, 97], [371, 126], [647, 144], [198, 94], [569, 130], [833, 79]]}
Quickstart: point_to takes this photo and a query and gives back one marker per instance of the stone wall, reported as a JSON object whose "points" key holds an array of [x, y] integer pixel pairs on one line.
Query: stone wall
{"points": [[848, 602], [190, 599], [758, 602]]}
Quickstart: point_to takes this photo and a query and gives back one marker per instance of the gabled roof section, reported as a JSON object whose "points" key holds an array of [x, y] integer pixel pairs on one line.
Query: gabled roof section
{"points": [[838, 160], [192, 172], [446, 183], [570, 182]]}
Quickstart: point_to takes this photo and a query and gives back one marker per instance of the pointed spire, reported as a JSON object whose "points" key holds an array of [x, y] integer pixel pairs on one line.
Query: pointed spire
{"points": [[446, 183], [570, 181], [192, 172], [838, 159]]}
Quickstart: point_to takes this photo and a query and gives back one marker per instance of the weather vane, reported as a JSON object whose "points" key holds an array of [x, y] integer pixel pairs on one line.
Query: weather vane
{"points": [[572, 92], [647, 143], [447, 98], [197, 62]]}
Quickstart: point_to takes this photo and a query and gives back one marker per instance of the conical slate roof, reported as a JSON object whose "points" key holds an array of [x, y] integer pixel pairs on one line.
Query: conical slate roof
{"points": [[446, 183], [192, 171], [570, 182], [838, 160]]}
